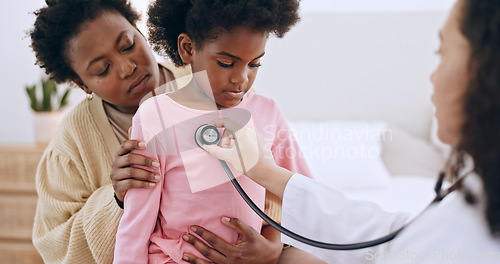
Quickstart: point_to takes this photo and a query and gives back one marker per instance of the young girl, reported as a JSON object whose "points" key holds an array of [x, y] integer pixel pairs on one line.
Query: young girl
{"points": [[223, 41]]}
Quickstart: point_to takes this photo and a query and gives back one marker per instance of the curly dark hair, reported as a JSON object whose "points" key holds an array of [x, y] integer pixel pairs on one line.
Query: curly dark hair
{"points": [[480, 24], [61, 20], [204, 20]]}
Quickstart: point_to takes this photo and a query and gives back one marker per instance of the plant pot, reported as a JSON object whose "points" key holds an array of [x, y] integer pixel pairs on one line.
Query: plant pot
{"points": [[46, 124]]}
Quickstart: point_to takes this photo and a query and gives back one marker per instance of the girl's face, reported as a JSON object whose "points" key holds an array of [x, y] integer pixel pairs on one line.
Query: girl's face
{"points": [[451, 78], [113, 60], [231, 62]]}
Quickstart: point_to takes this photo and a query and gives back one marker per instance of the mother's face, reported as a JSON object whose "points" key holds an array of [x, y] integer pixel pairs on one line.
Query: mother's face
{"points": [[451, 78], [113, 60]]}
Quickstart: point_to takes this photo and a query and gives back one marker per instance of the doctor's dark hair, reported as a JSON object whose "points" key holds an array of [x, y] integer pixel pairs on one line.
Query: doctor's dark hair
{"points": [[205, 20], [480, 24], [61, 20]]}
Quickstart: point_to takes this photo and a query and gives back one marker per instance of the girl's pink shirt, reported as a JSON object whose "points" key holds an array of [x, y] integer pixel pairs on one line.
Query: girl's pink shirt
{"points": [[193, 187]]}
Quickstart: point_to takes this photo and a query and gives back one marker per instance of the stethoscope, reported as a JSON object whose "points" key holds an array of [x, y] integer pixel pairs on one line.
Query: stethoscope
{"points": [[209, 135]]}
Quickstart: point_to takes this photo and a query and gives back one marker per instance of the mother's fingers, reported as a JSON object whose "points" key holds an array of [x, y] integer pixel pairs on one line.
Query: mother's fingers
{"points": [[130, 159], [245, 232], [129, 145], [125, 179], [134, 174], [213, 240], [204, 249], [194, 259], [124, 173]]}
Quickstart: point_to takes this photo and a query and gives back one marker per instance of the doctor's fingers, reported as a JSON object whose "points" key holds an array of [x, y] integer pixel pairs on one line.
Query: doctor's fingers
{"points": [[234, 131], [227, 123], [227, 138], [230, 155]]}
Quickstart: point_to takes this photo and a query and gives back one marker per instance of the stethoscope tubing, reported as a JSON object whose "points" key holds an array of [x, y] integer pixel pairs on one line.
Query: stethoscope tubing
{"points": [[298, 237], [330, 246]]}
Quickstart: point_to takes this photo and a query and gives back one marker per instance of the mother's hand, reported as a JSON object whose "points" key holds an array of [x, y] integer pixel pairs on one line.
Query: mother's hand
{"points": [[251, 247], [125, 177]]}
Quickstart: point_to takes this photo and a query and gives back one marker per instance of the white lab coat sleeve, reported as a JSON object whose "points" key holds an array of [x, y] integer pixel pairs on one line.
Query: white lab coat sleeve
{"points": [[322, 213]]}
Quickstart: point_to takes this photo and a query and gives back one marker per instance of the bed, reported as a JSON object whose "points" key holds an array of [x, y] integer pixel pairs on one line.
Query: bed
{"points": [[372, 160]]}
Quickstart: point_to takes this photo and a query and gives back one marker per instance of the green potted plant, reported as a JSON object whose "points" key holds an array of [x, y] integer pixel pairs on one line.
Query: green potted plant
{"points": [[46, 102]]}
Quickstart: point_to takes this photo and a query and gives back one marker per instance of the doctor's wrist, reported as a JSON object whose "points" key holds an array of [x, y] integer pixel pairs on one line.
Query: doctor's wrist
{"points": [[275, 180]]}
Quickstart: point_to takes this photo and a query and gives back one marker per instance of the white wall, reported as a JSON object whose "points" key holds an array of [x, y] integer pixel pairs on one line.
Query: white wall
{"points": [[374, 6], [349, 59], [355, 66], [17, 69]]}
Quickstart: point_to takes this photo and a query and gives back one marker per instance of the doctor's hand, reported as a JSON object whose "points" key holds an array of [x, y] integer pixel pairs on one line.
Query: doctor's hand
{"points": [[250, 248], [124, 176], [242, 147], [245, 149]]}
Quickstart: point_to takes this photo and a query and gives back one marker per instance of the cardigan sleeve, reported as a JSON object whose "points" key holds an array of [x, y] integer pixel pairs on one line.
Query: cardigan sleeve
{"points": [[75, 220]]}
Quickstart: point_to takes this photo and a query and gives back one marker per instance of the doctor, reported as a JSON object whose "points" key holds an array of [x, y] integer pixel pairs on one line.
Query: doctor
{"points": [[465, 226]]}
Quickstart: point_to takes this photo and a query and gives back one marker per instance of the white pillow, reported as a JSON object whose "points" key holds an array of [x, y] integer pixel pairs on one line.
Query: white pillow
{"points": [[344, 154], [406, 154]]}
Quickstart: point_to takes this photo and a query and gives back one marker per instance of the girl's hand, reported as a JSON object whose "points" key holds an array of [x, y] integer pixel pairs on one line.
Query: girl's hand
{"points": [[125, 177], [251, 247]]}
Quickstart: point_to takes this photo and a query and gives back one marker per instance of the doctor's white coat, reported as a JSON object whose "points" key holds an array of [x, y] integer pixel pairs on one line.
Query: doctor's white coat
{"points": [[452, 231]]}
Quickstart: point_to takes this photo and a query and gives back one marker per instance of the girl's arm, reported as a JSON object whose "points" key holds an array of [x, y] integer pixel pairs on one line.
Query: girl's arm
{"points": [[141, 208], [137, 224]]}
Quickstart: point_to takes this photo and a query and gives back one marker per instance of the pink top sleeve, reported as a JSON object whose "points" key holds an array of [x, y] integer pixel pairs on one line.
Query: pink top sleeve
{"points": [[133, 239], [273, 126], [286, 150]]}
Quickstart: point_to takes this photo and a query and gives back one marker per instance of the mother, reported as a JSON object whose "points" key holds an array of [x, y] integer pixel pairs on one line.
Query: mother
{"points": [[96, 45]]}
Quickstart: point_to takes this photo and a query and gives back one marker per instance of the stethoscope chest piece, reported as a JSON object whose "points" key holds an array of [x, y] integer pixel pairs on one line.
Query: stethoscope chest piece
{"points": [[207, 135]]}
